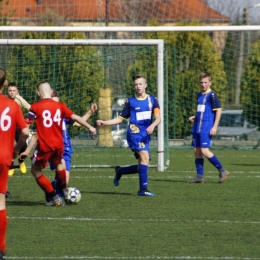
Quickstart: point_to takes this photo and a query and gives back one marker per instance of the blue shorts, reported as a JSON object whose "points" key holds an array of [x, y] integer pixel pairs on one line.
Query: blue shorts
{"points": [[201, 140], [139, 146]]}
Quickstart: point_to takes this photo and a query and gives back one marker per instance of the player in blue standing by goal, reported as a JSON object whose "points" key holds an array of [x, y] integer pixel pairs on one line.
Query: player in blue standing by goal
{"points": [[141, 109], [205, 124]]}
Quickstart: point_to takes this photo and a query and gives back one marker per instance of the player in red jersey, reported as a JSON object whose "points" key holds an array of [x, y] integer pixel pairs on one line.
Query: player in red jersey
{"points": [[48, 115], [11, 117]]}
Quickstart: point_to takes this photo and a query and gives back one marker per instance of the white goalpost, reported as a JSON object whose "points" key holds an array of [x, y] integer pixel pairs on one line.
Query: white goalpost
{"points": [[160, 78]]}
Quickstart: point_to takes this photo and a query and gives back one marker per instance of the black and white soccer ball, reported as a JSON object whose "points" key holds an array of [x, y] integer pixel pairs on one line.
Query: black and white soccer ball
{"points": [[74, 195], [124, 143]]}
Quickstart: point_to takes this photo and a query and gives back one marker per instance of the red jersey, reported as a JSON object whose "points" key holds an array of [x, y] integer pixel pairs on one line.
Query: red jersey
{"points": [[48, 115], [11, 117]]}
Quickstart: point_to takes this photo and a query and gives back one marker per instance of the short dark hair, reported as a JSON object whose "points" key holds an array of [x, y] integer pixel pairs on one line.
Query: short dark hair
{"points": [[12, 84], [138, 76], [55, 93], [2, 77]]}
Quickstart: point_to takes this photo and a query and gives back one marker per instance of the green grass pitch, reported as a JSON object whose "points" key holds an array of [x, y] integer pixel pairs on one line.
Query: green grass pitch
{"points": [[183, 221]]}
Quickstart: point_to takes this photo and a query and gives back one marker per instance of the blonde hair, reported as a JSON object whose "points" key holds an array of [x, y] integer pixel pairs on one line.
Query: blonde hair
{"points": [[204, 74]]}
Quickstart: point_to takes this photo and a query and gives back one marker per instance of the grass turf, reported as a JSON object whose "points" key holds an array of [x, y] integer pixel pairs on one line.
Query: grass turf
{"points": [[183, 221]]}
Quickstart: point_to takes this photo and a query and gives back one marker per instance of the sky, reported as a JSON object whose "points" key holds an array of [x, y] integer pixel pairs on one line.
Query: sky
{"points": [[234, 9]]}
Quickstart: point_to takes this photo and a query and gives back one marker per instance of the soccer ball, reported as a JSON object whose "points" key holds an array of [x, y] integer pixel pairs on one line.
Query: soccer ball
{"points": [[124, 144], [74, 196]]}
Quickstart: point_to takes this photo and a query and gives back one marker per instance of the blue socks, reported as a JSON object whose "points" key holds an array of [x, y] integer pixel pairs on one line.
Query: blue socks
{"points": [[214, 160], [143, 176], [199, 162], [143, 173], [128, 169]]}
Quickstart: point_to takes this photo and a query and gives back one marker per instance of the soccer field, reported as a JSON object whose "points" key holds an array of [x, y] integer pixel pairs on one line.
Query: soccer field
{"points": [[183, 221]]}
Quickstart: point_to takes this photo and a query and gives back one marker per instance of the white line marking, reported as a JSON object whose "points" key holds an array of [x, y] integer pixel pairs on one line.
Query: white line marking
{"points": [[135, 257], [136, 220]]}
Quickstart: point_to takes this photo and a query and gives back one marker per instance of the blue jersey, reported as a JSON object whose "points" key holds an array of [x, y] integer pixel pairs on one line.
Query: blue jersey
{"points": [[140, 112], [207, 105], [66, 137]]}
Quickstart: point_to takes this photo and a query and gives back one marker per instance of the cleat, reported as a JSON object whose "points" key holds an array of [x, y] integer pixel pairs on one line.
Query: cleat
{"points": [[22, 167], [63, 202], [117, 176], [223, 175], [8, 195], [47, 197], [55, 201], [2, 255], [65, 193], [11, 172], [146, 193], [198, 179]]}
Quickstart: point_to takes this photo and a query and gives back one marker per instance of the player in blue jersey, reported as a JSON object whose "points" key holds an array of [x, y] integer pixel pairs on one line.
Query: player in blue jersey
{"points": [[205, 124], [68, 150], [141, 109]]}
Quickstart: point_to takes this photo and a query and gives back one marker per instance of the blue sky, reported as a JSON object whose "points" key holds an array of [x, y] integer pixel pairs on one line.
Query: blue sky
{"points": [[234, 8]]}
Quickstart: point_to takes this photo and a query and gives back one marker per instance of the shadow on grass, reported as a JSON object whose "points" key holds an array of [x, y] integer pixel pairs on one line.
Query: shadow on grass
{"points": [[172, 181], [108, 193], [242, 164], [24, 203]]}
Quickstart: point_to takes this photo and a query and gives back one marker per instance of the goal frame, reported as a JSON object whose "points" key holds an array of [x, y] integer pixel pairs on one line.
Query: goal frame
{"points": [[160, 71]]}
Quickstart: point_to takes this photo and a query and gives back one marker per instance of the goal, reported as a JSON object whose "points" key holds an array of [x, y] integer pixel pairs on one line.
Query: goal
{"points": [[79, 70]]}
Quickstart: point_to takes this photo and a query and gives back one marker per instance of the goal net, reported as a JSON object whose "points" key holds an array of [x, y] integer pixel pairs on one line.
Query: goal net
{"points": [[102, 73], [91, 71]]}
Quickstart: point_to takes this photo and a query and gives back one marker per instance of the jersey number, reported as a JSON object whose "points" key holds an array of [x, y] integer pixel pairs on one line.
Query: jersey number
{"points": [[48, 120], [5, 120]]}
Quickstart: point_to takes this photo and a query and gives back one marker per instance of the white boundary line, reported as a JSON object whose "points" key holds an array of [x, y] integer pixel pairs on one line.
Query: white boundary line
{"points": [[135, 257], [135, 220]]}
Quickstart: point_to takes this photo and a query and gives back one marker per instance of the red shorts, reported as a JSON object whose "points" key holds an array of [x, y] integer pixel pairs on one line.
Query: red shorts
{"points": [[3, 177], [42, 159]]}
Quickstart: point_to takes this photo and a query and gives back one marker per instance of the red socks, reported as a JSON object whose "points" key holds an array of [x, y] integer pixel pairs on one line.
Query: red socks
{"points": [[3, 228], [61, 178], [44, 183]]}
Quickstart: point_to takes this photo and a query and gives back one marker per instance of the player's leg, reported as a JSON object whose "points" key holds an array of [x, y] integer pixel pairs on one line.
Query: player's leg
{"points": [[132, 169], [20, 161], [3, 215], [39, 162], [45, 184], [119, 171], [199, 161], [223, 173], [66, 161], [60, 171], [143, 160], [11, 169]]}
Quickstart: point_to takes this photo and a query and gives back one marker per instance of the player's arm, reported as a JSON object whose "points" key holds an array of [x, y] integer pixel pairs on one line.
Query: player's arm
{"points": [[213, 130], [23, 102], [92, 110], [22, 139], [114, 121], [216, 107], [156, 122], [192, 119], [84, 123], [30, 146]]}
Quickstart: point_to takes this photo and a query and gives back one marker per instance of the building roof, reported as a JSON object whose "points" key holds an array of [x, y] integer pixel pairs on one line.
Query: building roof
{"points": [[136, 12]]}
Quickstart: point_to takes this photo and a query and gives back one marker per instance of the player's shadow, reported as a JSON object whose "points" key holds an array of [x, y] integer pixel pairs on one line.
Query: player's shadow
{"points": [[243, 164], [23, 203], [108, 193], [170, 181]]}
